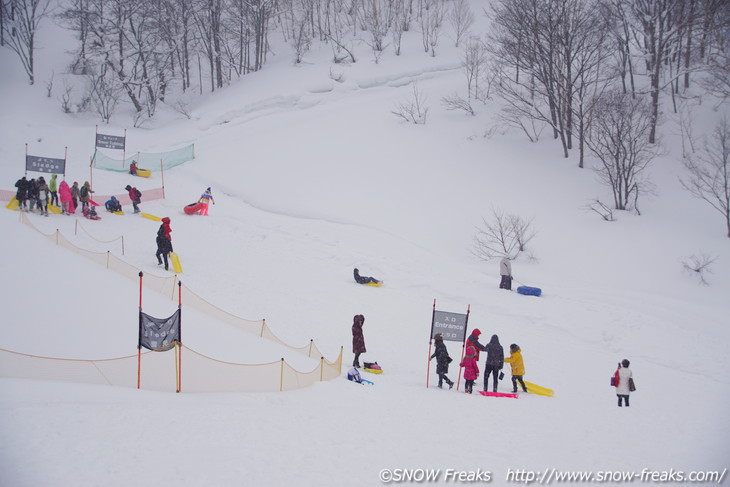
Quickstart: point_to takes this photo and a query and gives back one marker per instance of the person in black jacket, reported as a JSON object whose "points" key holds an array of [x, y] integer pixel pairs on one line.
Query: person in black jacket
{"points": [[22, 194], [363, 279], [494, 363], [442, 360]]}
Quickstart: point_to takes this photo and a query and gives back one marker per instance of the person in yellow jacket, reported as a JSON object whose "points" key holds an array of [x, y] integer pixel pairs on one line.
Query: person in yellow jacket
{"points": [[518, 366]]}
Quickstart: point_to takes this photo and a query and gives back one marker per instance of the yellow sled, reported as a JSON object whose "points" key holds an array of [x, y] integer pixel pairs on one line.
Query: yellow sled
{"points": [[12, 204], [373, 371], [54, 209], [536, 389], [144, 173], [151, 217], [175, 259], [374, 284]]}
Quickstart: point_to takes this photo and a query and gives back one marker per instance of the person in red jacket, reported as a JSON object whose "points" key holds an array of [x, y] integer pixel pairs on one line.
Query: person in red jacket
{"points": [[473, 340], [471, 368], [135, 195], [164, 242]]}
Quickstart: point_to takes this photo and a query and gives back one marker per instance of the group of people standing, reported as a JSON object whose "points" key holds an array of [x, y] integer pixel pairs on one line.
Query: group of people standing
{"points": [[35, 194], [492, 366]]}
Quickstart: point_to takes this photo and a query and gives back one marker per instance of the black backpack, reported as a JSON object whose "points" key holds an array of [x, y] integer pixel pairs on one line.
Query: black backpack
{"points": [[84, 192], [138, 193]]}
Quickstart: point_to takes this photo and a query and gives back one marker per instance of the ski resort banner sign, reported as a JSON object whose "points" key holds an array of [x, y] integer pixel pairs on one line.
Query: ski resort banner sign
{"points": [[451, 325], [45, 164], [110, 141]]}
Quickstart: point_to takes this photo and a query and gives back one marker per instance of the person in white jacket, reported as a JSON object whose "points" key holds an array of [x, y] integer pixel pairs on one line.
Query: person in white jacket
{"points": [[505, 270], [625, 379]]}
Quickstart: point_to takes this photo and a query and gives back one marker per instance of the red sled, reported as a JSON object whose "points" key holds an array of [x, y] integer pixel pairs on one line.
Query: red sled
{"points": [[498, 394], [193, 208]]}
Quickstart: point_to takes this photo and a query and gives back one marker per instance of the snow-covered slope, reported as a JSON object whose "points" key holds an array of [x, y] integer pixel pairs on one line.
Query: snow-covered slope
{"points": [[313, 177]]}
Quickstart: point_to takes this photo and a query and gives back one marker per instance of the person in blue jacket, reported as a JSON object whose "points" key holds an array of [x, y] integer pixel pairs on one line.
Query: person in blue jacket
{"points": [[113, 204]]}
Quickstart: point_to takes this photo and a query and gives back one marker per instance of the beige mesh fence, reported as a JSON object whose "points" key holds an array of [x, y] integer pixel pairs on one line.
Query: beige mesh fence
{"points": [[166, 371], [198, 373]]}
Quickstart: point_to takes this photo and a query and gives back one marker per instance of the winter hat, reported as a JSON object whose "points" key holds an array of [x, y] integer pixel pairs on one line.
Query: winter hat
{"points": [[625, 363], [514, 348], [127, 187], [476, 332], [208, 188], [166, 220], [438, 337]]}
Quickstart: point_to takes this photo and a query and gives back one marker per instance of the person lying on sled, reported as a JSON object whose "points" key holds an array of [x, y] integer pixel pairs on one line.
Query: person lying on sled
{"points": [[363, 279]]}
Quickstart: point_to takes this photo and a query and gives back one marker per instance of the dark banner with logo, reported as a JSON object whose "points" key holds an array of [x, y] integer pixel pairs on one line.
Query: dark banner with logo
{"points": [[110, 141], [45, 164]]}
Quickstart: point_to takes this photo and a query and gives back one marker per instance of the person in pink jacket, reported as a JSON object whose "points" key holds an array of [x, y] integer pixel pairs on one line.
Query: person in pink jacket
{"points": [[471, 368], [67, 205]]}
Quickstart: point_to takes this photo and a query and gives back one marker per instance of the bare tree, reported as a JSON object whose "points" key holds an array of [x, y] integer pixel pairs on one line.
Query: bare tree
{"points": [[505, 235], [620, 127], [297, 29], [548, 56], [717, 80], [709, 171], [474, 62], [461, 18], [376, 16], [104, 90], [659, 24], [21, 19], [414, 110], [432, 19]]}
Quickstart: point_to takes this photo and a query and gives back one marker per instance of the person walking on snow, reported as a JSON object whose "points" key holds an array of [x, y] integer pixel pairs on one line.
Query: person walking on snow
{"points": [[85, 195], [164, 242], [494, 363], [205, 199], [442, 361], [134, 195], [518, 366], [358, 339], [66, 200], [625, 384], [471, 368], [505, 270], [75, 196], [53, 188]]}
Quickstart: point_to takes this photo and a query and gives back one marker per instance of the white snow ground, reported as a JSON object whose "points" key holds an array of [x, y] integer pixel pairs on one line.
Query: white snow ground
{"points": [[313, 177]]}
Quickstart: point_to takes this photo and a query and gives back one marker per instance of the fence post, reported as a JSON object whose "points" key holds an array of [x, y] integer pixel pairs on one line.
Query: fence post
{"points": [[281, 377]]}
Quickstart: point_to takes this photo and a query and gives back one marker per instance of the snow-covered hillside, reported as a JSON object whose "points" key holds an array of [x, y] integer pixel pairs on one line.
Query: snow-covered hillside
{"points": [[313, 177]]}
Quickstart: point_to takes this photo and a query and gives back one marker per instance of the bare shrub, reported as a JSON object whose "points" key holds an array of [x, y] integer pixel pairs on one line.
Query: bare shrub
{"points": [[699, 266], [455, 102], [602, 209], [414, 110]]}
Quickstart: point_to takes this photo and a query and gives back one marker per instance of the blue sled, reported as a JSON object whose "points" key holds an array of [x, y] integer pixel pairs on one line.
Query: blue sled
{"points": [[529, 291], [366, 381]]}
